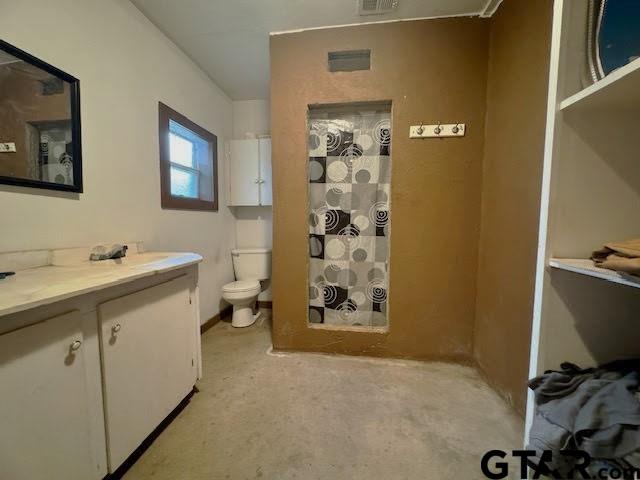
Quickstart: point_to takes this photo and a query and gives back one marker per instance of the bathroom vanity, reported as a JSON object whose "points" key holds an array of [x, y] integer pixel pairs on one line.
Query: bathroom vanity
{"points": [[96, 353]]}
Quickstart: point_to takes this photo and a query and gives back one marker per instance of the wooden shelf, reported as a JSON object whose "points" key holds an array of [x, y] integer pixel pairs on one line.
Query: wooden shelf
{"points": [[618, 90], [586, 267]]}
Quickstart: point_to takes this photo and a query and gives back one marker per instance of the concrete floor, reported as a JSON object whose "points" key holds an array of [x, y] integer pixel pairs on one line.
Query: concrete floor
{"points": [[308, 416]]}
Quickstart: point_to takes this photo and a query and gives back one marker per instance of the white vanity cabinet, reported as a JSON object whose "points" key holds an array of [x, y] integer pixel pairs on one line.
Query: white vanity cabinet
{"points": [[249, 174], [93, 357], [149, 361], [48, 403]]}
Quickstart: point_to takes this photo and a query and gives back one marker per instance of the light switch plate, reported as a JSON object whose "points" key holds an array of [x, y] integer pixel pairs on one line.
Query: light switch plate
{"points": [[7, 147], [435, 131]]}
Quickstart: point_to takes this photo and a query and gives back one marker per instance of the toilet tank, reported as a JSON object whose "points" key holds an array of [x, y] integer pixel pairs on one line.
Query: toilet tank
{"points": [[251, 263]]}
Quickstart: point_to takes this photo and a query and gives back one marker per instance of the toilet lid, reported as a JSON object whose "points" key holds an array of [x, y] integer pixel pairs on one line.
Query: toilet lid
{"points": [[241, 286]]}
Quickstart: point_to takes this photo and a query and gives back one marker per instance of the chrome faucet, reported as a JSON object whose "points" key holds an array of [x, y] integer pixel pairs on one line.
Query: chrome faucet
{"points": [[103, 252]]}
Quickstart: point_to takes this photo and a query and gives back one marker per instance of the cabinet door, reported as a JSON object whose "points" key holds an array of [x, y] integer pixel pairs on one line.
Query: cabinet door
{"points": [[244, 187], [266, 197], [149, 362], [45, 422]]}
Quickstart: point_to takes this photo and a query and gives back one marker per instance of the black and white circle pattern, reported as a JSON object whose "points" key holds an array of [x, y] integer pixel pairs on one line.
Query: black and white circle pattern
{"points": [[382, 133], [348, 311], [350, 155], [332, 219], [350, 235], [334, 138], [379, 214], [377, 291]]}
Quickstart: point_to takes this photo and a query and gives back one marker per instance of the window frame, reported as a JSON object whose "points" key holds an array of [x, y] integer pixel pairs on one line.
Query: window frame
{"points": [[167, 200]]}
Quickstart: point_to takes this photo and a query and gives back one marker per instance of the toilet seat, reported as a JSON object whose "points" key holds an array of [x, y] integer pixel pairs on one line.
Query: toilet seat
{"points": [[241, 286]]}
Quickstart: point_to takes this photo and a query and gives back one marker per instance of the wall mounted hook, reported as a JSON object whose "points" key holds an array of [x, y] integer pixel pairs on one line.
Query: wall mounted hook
{"points": [[438, 130]]}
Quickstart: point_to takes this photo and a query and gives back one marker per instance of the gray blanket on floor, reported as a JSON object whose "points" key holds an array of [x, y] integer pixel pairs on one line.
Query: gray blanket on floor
{"points": [[595, 410]]}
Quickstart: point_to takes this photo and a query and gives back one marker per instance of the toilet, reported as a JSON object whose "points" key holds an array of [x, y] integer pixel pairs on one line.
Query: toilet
{"points": [[251, 266]]}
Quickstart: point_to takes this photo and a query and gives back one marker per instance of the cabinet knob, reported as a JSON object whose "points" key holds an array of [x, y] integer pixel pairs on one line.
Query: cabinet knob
{"points": [[75, 345], [116, 328]]}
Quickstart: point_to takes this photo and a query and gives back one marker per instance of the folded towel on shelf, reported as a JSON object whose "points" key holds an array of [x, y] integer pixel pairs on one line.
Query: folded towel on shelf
{"points": [[595, 410], [619, 256]]}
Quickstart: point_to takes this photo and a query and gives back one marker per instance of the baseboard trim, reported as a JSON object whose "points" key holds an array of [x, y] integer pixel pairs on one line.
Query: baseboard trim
{"points": [[265, 304], [224, 313]]}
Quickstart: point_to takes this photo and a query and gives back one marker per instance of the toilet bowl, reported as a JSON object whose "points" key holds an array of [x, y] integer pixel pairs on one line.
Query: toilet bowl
{"points": [[251, 266], [242, 294]]}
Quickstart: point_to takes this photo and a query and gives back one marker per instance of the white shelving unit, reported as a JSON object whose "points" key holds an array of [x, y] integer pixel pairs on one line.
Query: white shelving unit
{"points": [[619, 91], [590, 196], [586, 267]]}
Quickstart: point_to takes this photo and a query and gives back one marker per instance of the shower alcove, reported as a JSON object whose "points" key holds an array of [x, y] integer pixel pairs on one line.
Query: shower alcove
{"points": [[349, 169]]}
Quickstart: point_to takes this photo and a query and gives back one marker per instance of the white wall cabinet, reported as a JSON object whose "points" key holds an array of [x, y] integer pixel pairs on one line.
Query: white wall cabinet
{"points": [[266, 195], [47, 429], [249, 170], [149, 362]]}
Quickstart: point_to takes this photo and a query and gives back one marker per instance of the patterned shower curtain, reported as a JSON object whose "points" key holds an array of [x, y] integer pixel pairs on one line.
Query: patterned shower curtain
{"points": [[349, 193]]}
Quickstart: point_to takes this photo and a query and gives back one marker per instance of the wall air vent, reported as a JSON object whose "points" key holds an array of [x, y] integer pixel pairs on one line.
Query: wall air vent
{"points": [[376, 7], [349, 60]]}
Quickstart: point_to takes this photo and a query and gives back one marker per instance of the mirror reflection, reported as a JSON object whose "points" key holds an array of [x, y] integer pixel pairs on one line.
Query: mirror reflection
{"points": [[37, 145]]}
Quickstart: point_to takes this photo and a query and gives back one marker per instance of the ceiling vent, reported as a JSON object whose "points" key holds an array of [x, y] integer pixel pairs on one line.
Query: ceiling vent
{"points": [[377, 7]]}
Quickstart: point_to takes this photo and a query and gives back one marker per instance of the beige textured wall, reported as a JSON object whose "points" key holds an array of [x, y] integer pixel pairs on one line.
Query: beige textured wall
{"points": [[432, 71], [516, 108]]}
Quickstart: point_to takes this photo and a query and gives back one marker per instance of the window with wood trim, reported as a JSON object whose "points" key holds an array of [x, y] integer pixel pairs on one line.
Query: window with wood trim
{"points": [[188, 163]]}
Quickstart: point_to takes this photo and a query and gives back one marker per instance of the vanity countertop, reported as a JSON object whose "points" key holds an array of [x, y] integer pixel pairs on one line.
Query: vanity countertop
{"points": [[42, 285]]}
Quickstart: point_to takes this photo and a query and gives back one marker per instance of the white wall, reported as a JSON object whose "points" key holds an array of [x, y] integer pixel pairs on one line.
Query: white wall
{"points": [[125, 66], [251, 116], [253, 224]]}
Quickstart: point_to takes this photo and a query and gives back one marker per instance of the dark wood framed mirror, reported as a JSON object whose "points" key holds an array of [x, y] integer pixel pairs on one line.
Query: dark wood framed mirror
{"points": [[40, 142]]}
